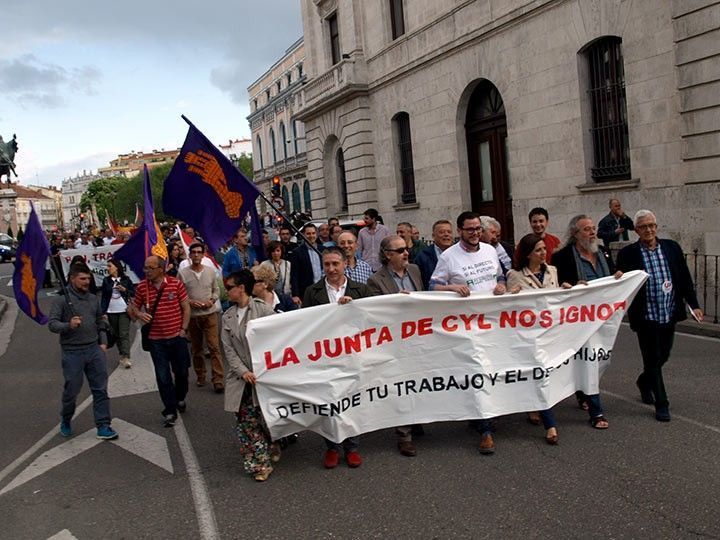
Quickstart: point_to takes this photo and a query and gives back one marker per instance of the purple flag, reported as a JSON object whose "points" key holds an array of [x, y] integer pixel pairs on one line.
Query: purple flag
{"points": [[147, 239], [29, 274], [208, 192]]}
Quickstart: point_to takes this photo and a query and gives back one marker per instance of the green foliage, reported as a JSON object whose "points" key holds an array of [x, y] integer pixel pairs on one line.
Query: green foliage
{"points": [[102, 192], [244, 162]]}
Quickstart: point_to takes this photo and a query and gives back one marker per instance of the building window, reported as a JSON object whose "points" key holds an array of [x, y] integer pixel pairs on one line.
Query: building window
{"points": [[300, 71], [259, 149], [404, 142], [611, 145], [297, 206], [254, 104], [286, 198], [342, 180], [278, 86], [272, 146], [397, 21], [267, 95], [288, 78], [283, 141], [334, 38], [308, 197]]}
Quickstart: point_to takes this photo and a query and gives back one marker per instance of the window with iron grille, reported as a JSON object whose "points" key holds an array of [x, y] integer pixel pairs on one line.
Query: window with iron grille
{"points": [[611, 145], [259, 149], [407, 172], [397, 22], [307, 196], [334, 38], [296, 198], [342, 181], [272, 146]]}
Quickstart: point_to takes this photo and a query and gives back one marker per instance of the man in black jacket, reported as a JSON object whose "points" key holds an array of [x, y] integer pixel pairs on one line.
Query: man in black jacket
{"points": [[336, 288], [305, 264], [442, 235], [615, 225], [658, 306], [583, 259]]}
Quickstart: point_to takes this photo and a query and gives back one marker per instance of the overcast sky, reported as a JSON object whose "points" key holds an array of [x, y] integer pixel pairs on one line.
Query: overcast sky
{"points": [[83, 81]]}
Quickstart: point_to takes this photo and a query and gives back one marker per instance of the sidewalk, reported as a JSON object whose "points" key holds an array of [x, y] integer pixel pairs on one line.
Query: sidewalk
{"points": [[707, 329]]}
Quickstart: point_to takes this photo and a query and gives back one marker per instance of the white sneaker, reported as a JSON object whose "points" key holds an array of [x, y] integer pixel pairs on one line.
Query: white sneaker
{"points": [[125, 362]]}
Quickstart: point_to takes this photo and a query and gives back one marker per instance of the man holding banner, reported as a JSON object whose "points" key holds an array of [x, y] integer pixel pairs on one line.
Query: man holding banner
{"points": [[471, 266], [336, 288]]}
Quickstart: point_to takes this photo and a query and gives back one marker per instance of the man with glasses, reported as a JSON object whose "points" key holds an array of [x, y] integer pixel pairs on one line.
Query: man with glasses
{"points": [[168, 331], [202, 288], [658, 306], [397, 275], [465, 267]]}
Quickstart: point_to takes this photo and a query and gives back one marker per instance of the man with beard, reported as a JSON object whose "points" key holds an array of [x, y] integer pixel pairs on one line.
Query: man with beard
{"points": [[583, 259]]}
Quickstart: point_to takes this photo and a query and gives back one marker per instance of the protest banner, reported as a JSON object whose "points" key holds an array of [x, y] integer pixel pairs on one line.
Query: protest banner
{"points": [[96, 258], [343, 370]]}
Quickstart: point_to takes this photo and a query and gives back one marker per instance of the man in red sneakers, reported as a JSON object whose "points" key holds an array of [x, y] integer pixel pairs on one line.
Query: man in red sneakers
{"points": [[336, 288]]}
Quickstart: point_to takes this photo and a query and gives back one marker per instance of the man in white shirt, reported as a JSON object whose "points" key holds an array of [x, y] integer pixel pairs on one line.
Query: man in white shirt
{"points": [[336, 288], [465, 267]]}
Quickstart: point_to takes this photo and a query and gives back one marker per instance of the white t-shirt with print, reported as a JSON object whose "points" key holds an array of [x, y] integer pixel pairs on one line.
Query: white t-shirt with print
{"points": [[476, 269]]}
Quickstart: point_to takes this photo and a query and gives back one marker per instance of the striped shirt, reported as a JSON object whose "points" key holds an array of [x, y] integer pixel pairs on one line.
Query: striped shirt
{"points": [[167, 321], [660, 300]]}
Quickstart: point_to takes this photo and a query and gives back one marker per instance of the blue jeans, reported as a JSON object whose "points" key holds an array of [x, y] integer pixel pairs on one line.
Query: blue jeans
{"points": [[170, 354], [90, 362], [351, 444], [595, 409]]}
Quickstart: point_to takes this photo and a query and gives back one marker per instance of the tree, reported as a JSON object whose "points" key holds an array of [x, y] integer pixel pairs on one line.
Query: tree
{"points": [[102, 192], [244, 162]]}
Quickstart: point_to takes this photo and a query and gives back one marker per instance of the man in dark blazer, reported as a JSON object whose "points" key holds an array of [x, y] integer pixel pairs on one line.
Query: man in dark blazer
{"points": [[615, 225], [658, 306], [397, 275], [305, 264], [426, 261], [336, 288], [581, 260]]}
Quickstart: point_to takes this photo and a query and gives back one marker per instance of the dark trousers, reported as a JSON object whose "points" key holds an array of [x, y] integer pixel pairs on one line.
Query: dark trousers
{"points": [[170, 354], [351, 444], [89, 362], [656, 341]]}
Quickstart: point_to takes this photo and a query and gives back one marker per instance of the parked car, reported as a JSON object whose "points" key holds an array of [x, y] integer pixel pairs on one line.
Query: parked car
{"points": [[6, 252], [7, 240]]}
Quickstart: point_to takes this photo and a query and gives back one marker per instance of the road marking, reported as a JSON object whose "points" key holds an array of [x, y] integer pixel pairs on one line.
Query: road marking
{"points": [[35, 447], [139, 379], [709, 427], [63, 535], [136, 440], [201, 497]]}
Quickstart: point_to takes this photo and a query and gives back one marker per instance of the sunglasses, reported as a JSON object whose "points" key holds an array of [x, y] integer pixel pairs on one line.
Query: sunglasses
{"points": [[399, 251]]}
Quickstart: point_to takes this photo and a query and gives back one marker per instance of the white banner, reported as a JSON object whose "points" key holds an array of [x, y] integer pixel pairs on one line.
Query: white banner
{"points": [[425, 357], [96, 258]]}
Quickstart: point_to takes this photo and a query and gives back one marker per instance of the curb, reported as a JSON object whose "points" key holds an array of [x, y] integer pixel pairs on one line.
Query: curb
{"points": [[699, 329], [3, 306]]}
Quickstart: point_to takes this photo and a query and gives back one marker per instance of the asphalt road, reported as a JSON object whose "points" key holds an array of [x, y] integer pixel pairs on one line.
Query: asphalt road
{"points": [[640, 478]]}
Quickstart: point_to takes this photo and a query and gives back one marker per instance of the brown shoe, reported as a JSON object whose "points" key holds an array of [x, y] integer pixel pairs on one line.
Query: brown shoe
{"points": [[219, 388], [407, 448], [200, 383], [487, 444], [534, 418], [263, 474]]}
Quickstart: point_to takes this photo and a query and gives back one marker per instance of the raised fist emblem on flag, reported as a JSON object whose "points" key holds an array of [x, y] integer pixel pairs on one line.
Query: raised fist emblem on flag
{"points": [[209, 169]]}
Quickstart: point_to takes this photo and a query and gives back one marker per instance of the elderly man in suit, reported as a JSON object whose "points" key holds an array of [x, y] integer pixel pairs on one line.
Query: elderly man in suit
{"points": [[658, 306], [397, 275], [336, 288]]}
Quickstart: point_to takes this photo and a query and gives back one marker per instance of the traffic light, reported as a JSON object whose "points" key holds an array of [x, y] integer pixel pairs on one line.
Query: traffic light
{"points": [[276, 186], [82, 217]]}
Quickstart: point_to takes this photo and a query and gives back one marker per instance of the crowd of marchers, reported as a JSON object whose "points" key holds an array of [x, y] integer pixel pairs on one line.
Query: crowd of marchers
{"points": [[195, 307]]}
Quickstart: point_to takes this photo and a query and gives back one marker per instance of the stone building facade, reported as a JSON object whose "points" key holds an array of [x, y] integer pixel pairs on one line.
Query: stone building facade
{"points": [[278, 138], [423, 109]]}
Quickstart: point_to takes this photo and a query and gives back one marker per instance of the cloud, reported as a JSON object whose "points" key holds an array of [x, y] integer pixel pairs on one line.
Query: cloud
{"points": [[55, 173], [30, 81]]}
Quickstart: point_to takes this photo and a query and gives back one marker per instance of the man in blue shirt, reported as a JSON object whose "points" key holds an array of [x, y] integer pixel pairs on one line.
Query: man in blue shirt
{"points": [[241, 255]]}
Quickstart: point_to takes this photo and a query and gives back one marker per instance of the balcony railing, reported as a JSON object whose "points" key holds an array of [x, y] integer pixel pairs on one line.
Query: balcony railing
{"points": [[344, 76], [279, 167]]}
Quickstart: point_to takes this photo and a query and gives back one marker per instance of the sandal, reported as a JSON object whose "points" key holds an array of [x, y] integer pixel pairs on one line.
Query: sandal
{"points": [[263, 474], [552, 438], [534, 418], [599, 422]]}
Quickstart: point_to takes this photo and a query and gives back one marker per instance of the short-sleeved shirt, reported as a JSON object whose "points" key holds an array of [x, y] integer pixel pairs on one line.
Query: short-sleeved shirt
{"points": [[167, 321], [479, 270]]}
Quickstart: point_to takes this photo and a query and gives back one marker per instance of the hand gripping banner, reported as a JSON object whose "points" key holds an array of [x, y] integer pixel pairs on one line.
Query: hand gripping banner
{"points": [[385, 361]]}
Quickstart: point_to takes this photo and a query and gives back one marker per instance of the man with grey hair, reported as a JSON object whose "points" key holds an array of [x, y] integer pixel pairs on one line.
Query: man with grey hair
{"points": [[658, 306], [583, 259], [491, 235]]}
